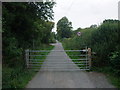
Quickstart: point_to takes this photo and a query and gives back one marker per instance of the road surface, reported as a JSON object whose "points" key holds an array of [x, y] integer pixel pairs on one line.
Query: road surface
{"points": [[46, 78]]}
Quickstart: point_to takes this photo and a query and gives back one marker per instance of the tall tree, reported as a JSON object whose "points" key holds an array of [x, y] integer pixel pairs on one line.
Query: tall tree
{"points": [[23, 23], [64, 27]]}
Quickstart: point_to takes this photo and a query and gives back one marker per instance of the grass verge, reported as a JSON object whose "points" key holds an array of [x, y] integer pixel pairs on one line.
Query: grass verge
{"points": [[108, 71], [19, 77]]}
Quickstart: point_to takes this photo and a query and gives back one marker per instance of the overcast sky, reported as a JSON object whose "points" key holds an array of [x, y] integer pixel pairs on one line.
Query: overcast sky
{"points": [[83, 13]]}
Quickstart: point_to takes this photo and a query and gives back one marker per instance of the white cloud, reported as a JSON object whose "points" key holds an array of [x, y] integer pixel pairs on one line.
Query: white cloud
{"points": [[83, 13]]}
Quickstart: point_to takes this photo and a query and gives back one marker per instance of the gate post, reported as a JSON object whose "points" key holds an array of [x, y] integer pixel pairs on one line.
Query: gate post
{"points": [[27, 57], [89, 57]]}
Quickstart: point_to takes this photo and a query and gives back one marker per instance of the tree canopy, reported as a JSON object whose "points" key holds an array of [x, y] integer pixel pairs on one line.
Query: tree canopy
{"points": [[25, 24], [64, 28]]}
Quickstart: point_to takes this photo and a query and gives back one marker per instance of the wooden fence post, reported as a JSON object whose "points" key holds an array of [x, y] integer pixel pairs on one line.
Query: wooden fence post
{"points": [[27, 57], [89, 57]]}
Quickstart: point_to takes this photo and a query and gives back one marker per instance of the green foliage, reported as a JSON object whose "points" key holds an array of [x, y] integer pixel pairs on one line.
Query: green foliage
{"points": [[42, 32], [64, 28], [26, 25], [19, 77], [16, 78], [79, 42], [53, 37], [12, 54], [114, 80], [104, 40], [75, 31], [115, 62]]}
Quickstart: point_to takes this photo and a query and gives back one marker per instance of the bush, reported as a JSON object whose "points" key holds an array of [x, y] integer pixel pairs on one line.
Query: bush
{"points": [[115, 62], [103, 40], [16, 78], [12, 54]]}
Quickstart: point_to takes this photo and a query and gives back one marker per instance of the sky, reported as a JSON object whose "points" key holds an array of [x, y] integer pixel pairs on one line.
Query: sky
{"points": [[84, 13]]}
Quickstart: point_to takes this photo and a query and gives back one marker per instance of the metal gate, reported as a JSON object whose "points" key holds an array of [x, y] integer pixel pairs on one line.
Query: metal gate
{"points": [[58, 60]]}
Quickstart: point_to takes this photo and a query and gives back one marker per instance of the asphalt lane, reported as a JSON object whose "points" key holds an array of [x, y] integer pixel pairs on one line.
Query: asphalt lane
{"points": [[56, 78]]}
